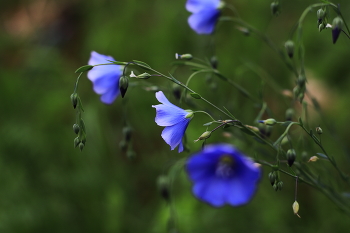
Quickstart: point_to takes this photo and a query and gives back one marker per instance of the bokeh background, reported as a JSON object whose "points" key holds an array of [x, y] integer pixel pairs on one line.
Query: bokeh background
{"points": [[46, 185]]}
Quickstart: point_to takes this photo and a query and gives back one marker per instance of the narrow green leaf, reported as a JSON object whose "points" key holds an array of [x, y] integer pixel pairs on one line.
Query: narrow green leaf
{"points": [[84, 68], [196, 95], [322, 156], [141, 63]]}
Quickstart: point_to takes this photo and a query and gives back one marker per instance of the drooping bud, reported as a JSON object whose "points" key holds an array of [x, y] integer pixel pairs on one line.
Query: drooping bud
{"points": [[320, 15], [123, 85], [313, 159], [76, 142], [321, 26], [272, 177], [164, 187], [186, 56], [204, 135], [289, 114], [269, 121], [81, 146], [275, 8], [319, 130], [127, 133], [214, 62], [141, 76], [190, 114], [74, 99], [289, 45], [280, 185], [295, 207], [337, 28], [76, 128], [291, 156], [301, 80]]}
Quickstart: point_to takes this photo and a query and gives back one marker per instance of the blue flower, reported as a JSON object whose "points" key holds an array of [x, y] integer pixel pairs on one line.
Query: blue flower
{"points": [[174, 119], [105, 79], [205, 14], [222, 175]]}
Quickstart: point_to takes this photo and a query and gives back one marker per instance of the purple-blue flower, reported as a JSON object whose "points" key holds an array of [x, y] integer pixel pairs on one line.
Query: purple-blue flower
{"points": [[222, 175], [105, 79], [205, 14], [174, 119]]}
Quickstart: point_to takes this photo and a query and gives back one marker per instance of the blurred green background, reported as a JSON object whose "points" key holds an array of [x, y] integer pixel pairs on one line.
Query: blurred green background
{"points": [[48, 186]]}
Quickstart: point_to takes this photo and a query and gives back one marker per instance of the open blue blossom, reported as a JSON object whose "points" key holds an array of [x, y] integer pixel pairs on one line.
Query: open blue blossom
{"points": [[174, 119], [205, 14], [105, 79], [222, 175]]}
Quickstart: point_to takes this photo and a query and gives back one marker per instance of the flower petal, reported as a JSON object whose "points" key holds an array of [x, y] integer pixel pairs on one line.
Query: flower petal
{"points": [[167, 115], [172, 135], [109, 96], [106, 82], [195, 6], [213, 191], [203, 22]]}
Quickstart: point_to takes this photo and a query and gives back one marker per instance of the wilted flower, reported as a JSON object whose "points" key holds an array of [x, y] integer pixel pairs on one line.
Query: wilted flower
{"points": [[222, 175], [205, 14], [105, 79], [174, 119]]}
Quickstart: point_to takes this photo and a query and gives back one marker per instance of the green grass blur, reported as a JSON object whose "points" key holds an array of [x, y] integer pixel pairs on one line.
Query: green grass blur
{"points": [[48, 186]]}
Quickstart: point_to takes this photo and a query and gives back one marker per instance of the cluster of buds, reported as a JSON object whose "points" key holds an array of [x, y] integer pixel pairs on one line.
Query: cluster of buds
{"points": [[322, 19], [79, 126], [300, 88], [276, 183]]}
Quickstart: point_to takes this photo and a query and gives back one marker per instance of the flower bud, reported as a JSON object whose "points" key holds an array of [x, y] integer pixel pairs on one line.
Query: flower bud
{"points": [[76, 128], [275, 8], [319, 130], [313, 159], [123, 145], [280, 185], [291, 156], [337, 28], [74, 99], [272, 177], [131, 154], [289, 45], [81, 146], [301, 80], [275, 187], [127, 133], [214, 62], [204, 135], [289, 114], [320, 15], [184, 56], [123, 85], [141, 76], [190, 114], [164, 187], [269, 122], [76, 142], [295, 207], [321, 26]]}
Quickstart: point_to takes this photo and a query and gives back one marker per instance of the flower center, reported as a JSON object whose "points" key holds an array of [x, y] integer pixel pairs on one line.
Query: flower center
{"points": [[224, 168]]}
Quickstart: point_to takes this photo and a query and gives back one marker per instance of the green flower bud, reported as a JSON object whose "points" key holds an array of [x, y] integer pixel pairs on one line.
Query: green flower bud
{"points": [[81, 146], [163, 185], [275, 187], [76, 142], [269, 122], [127, 133], [214, 62], [280, 185], [291, 156], [321, 26], [141, 76], [289, 45], [183, 56], [76, 128], [123, 145], [272, 177], [321, 14], [190, 113], [275, 8], [74, 99], [123, 85], [289, 114], [204, 135]]}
